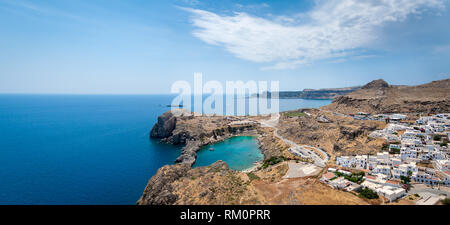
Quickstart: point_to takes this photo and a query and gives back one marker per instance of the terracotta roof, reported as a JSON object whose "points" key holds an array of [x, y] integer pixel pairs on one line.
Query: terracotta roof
{"points": [[371, 177], [365, 170], [329, 175], [393, 182]]}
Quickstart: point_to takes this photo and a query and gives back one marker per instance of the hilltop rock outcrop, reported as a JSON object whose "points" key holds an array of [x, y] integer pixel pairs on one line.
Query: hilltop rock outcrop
{"points": [[380, 97], [376, 84]]}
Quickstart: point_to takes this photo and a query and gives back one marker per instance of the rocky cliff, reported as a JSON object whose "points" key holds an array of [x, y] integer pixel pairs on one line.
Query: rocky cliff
{"points": [[179, 184], [217, 184], [195, 131], [164, 127], [380, 97]]}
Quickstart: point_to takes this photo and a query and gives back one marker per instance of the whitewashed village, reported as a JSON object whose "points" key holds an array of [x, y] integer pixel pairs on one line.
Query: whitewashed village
{"points": [[415, 164]]}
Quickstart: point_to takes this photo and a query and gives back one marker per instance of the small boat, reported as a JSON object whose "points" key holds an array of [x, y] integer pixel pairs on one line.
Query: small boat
{"points": [[178, 106], [211, 149]]}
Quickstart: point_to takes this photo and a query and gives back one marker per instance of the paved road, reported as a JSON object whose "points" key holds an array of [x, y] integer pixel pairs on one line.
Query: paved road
{"points": [[421, 188], [296, 149]]}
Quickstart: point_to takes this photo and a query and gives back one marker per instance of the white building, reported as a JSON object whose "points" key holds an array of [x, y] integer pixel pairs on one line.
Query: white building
{"points": [[404, 170], [397, 117], [443, 165], [382, 169], [360, 161], [344, 161], [447, 178], [390, 192], [422, 177]]}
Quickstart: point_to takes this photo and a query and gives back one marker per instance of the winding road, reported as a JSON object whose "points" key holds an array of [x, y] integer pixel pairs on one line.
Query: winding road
{"points": [[300, 150]]}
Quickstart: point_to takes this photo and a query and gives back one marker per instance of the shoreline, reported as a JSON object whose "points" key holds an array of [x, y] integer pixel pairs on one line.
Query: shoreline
{"points": [[254, 165]]}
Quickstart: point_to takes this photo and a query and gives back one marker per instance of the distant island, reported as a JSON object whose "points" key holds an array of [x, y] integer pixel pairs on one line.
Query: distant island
{"points": [[319, 94]]}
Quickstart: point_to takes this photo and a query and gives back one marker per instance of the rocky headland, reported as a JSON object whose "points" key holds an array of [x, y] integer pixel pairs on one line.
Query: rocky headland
{"points": [[193, 131], [329, 128], [218, 184]]}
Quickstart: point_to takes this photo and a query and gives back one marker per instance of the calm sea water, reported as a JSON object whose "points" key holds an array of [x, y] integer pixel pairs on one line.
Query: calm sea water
{"points": [[238, 152], [81, 149]]}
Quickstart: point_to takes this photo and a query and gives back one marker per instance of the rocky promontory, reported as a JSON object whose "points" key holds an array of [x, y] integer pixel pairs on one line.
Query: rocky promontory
{"points": [[193, 131], [164, 127], [217, 184]]}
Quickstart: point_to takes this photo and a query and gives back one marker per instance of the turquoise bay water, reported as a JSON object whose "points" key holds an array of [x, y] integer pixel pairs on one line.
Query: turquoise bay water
{"points": [[87, 149], [238, 152]]}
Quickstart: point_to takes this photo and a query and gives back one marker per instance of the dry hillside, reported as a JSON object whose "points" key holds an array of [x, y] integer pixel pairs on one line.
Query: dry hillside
{"points": [[380, 97]]}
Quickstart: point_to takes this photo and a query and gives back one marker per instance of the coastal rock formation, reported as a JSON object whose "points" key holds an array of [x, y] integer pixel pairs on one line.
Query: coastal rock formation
{"points": [[218, 185], [165, 126], [180, 185], [158, 190], [380, 97], [189, 153], [195, 131]]}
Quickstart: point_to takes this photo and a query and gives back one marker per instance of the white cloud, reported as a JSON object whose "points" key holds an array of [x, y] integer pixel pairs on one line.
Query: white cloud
{"points": [[332, 29], [191, 2], [253, 6]]}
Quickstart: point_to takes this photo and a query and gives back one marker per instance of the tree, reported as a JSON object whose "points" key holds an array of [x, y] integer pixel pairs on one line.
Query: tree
{"points": [[405, 180], [367, 193]]}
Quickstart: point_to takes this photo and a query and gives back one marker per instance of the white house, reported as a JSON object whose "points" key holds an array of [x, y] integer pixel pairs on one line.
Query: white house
{"points": [[344, 161], [397, 117], [390, 192], [403, 170], [361, 161], [447, 178], [382, 169]]}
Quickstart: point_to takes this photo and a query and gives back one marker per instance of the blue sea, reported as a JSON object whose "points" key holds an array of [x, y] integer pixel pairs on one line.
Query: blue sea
{"points": [[85, 149], [239, 153]]}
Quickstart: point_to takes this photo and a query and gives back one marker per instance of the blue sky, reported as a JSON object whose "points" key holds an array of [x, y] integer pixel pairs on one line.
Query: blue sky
{"points": [[140, 46]]}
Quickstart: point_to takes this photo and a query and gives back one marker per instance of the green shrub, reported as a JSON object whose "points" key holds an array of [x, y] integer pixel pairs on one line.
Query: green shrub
{"points": [[252, 176], [295, 114], [367, 193], [446, 201], [355, 177], [273, 161]]}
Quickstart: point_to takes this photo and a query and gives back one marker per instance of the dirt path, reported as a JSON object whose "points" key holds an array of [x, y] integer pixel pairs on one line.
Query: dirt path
{"points": [[300, 150]]}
